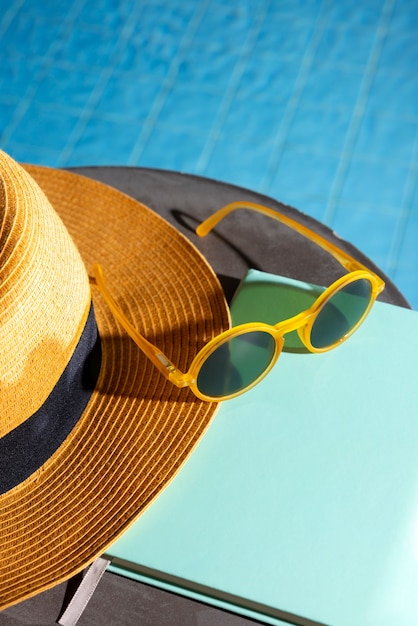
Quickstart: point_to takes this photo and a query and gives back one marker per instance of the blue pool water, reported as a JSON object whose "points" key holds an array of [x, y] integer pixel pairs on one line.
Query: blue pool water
{"points": [[313, 102]]}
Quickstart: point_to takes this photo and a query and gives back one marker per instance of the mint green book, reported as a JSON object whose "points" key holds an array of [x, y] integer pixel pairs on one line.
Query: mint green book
{"points": [[300, 504]]}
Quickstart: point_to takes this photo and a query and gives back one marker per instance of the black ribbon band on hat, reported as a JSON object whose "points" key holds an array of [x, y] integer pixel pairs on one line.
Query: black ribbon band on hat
{"points": [[26, 448]]}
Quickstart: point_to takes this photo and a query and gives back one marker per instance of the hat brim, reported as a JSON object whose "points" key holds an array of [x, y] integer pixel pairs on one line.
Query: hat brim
{"points": [[138, 429]]}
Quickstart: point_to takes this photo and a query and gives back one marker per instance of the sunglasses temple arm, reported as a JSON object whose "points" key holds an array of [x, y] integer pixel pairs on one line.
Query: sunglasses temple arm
{"points": [[342, 257], [158, 358]]}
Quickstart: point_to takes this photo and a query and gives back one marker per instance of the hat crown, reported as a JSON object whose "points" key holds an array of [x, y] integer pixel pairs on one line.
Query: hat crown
{"points": [[44, 296]]}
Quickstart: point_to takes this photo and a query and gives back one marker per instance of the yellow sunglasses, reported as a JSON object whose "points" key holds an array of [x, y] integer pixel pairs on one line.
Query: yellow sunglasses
{"points": [[237, 359]]}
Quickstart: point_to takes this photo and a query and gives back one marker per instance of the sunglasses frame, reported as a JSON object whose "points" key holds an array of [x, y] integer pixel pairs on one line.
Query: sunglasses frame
{"points": [[302, 322]]}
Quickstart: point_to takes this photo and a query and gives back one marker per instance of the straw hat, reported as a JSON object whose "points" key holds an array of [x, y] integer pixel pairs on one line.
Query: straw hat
{"points": [[90, 432]]}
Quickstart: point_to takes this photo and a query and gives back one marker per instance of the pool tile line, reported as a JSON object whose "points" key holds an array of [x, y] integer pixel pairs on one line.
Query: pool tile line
{"points": [[230, 92], [358, 112], [47, 60], [167, 84], [405, 211], [9, 15], [293, 103], [93, 99]]}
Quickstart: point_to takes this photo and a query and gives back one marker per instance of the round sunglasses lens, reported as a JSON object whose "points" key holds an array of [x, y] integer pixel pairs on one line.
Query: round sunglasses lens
{"points": [[236, 364], [341, 313]]}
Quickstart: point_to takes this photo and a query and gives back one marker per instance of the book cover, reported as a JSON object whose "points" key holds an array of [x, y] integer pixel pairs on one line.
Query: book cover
{"points": [[300, 504]]}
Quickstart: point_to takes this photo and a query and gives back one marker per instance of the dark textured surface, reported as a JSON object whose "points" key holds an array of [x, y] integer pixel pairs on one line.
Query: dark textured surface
{"points": [[120, 601], [242, 240]]}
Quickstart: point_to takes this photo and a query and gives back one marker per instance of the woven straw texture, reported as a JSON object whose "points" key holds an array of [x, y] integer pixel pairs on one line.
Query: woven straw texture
{"points": [[137, 429], [44, 297]]}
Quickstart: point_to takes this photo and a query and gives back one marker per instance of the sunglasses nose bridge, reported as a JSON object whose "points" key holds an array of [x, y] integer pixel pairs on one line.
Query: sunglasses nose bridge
{"points": [[297, 322], [278, 337]]}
